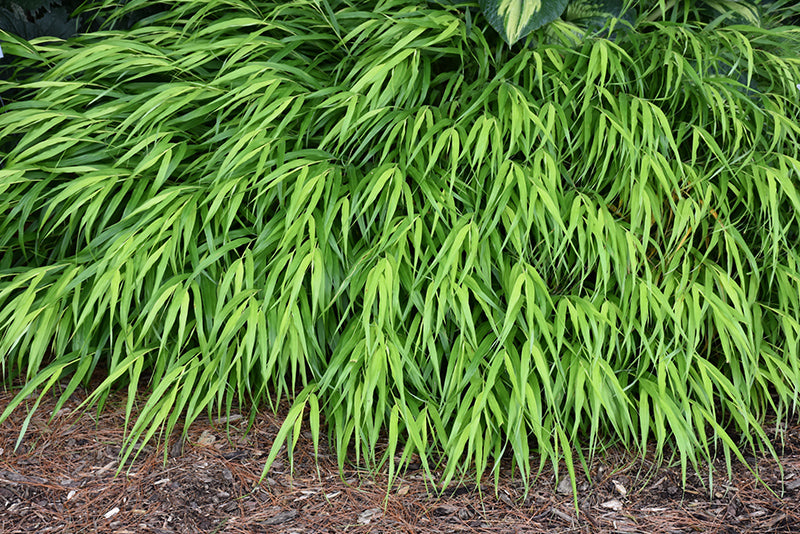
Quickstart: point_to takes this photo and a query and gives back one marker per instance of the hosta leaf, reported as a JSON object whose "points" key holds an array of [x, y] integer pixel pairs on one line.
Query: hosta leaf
{"points": [[593, 14], [581, 9], [456, 3], [514, 19], [54, 21]]}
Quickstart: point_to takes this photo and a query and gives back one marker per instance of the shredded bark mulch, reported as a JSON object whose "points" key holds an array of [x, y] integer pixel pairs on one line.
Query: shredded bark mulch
{"points": [[65, 478]]}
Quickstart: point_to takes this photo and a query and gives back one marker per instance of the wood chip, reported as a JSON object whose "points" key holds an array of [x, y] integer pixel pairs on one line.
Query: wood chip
{"points": [[444, 509], [564, 486], [282, 517], [15, 478], [368, 515], [558, 513], [228, 419], [613, 504], [206, 438], [177, 448], [105, 468]]}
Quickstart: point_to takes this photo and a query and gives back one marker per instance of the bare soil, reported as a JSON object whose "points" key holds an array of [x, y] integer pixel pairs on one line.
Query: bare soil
{"points": [[64, 478]]}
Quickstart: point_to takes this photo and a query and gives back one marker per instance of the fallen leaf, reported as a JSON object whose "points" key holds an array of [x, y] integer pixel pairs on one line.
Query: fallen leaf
{"points": [[564, 486], [403, 490], [620, 488], [111, 513]]}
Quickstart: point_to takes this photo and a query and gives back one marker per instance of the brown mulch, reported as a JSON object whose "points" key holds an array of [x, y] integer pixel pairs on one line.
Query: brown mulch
{"points": [[64, 478]]}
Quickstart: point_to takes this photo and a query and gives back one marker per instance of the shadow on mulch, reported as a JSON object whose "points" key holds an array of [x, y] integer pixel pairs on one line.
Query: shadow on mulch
{"points": [[64, 478]]}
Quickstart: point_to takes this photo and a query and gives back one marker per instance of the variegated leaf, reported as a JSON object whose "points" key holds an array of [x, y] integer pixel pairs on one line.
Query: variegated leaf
{"points": [[514, 19]]}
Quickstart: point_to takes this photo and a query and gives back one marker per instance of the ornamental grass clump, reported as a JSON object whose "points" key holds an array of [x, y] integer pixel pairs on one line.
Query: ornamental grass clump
{"points": [[416, 233]]}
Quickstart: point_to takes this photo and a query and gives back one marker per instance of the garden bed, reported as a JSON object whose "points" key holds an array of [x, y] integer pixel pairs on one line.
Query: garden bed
{"points": [[63, 478]]}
